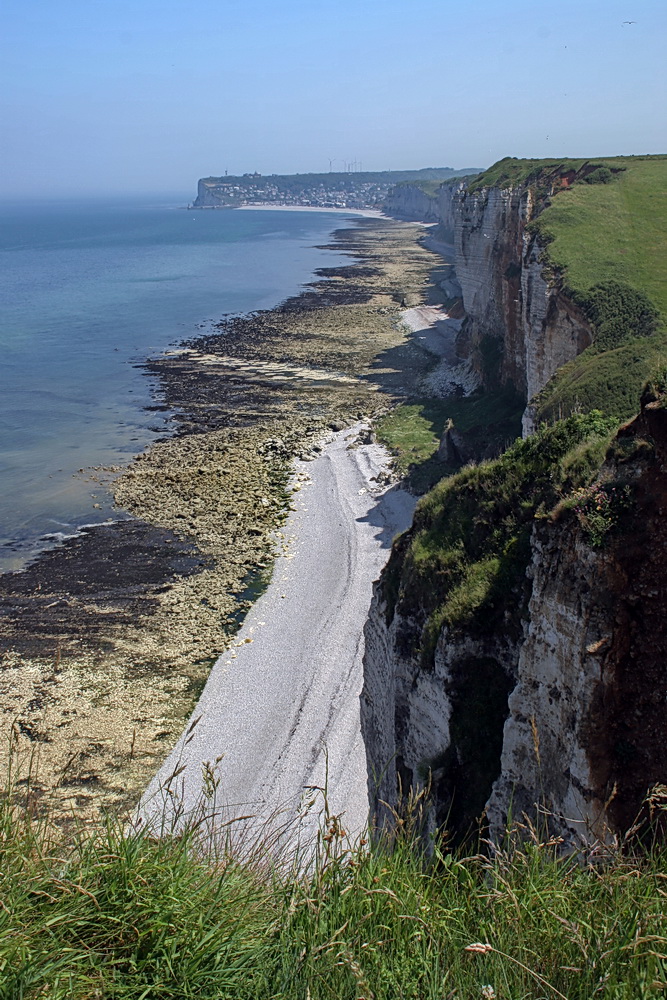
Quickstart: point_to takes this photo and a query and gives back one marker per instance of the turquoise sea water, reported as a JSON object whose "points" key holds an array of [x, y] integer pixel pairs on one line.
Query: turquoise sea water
{"points": [[88, 291]]}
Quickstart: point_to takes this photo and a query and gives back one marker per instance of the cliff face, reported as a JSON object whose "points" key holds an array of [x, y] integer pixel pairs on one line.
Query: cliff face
{"points": [[585, 731], [570, 711], [559, 697], [520, 327], [449, 198], [426, 726], [411, 202], [488, 241], [556, 677], [207, 195], [407, 201]]}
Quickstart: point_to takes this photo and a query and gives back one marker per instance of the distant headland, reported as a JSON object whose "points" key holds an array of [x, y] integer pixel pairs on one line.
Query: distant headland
{"points": [[349, 189]]}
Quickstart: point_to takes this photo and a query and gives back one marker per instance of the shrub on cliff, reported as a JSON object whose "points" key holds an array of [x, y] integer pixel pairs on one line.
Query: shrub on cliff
{"points": [[617, 312], [628, 346], [601, 175]]}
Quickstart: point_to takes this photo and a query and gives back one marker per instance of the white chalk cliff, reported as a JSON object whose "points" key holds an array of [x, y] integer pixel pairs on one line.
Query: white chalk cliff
{"points": [[520, 327], [565, 706]]}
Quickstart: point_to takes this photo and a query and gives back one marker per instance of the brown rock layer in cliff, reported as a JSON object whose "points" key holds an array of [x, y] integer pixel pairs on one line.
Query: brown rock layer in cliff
{"points": [[628, 720]]}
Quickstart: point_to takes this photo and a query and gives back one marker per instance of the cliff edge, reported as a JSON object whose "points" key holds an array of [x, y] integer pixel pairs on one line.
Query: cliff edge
{"points": [[515, 646]]}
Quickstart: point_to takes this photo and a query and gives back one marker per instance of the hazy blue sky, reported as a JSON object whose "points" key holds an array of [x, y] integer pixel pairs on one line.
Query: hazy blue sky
{"points": [[134, 95]]}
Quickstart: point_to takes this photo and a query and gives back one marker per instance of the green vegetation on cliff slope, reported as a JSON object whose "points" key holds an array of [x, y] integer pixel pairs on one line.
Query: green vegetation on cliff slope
{"points": [[606, 219], [412, 431], [460, 574], [463, 563], [511, 172], [124, 915], [605, 233]]}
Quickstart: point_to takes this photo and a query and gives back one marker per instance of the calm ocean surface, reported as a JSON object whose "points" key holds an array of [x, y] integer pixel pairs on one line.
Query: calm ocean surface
{"points": [[88, 291]]}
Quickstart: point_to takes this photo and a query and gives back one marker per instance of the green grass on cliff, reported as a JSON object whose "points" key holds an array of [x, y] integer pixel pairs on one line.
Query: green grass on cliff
{"points": [[605, 226], [511, 172], [609, 242], [123, 915], [463, 563], [609, 381], [412, 431], [615, 231]]}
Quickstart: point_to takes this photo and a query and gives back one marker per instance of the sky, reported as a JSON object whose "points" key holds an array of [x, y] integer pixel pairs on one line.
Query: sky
{"points": [[134, 96]]}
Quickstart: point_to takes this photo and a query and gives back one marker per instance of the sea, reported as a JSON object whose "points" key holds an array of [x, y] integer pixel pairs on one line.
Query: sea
{"points": [[89, 291]]}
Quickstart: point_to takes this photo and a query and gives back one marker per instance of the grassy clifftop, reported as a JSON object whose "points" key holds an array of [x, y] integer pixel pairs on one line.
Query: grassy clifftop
{"points": [[605, 219], [511, 172], [459, 576], [605, 239], [607, 243], [615, 230]]}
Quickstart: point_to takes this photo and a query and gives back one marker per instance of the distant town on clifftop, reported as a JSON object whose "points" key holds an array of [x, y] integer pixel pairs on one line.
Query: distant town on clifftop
{"points": [[349, 189]]}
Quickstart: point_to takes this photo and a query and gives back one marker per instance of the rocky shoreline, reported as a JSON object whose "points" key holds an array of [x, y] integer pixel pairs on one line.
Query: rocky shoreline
{"points": [[107, 640]]}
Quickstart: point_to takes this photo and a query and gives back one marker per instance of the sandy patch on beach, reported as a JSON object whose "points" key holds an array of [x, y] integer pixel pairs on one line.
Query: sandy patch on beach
{"points": [[219, 365]]}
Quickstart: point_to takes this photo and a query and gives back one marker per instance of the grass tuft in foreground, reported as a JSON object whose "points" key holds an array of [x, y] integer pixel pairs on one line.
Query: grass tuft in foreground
{"points": [[123, 914]]}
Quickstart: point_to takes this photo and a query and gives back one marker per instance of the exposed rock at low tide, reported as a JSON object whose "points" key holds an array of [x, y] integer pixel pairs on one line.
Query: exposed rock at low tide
{"points": [[107, 640]]}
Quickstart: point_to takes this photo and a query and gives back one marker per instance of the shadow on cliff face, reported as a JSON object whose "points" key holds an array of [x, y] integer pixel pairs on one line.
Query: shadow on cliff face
{"points": [[627, 734], [379, 515], [461, 778]]}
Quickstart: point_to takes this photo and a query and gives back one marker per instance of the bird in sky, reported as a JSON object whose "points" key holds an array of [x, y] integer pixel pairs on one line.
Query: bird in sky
{"points": [[629, 22]]}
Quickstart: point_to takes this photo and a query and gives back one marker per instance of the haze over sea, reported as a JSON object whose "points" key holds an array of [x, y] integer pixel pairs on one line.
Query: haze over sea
{"points": [[89, 291]]}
